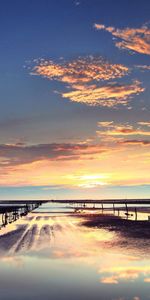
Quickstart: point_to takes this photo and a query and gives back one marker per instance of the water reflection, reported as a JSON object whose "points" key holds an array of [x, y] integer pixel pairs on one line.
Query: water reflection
{"points": [[61, 256]]}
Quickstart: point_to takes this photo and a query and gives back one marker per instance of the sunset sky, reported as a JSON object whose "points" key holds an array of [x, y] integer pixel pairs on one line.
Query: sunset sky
{"points": [[75, 99]]}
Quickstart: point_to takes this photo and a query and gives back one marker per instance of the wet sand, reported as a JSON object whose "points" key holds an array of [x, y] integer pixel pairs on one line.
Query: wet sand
{"points": [[132, 228]]}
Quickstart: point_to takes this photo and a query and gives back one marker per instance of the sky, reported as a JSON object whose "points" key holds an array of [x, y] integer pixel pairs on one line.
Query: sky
{"points": [[75, 108]]}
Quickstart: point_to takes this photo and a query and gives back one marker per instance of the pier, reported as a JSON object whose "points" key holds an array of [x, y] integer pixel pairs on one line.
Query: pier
{"points": [[129, 206], [11, 211]]}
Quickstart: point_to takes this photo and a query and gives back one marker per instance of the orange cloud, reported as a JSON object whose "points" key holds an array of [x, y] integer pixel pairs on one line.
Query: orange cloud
{"points": [[122, 129], [20, 154], [105, 124], [147, 279], [83, 76], [81, 168], [109, 280], [135, 142], [109, 95], [135, 39], [144, 123], [128, 131], [88, 164], [80, 71]]}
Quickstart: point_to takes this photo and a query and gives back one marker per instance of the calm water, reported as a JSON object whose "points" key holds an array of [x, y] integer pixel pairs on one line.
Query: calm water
{"points": [[54, 256]]}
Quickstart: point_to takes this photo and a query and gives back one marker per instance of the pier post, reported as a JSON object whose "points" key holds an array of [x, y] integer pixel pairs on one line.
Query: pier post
{"points": [[126, 210], [135, 213], [114, 207]]}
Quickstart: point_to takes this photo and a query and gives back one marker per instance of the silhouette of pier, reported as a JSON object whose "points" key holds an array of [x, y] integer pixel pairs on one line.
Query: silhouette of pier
{"points": [[10, 211], [129, 206]]}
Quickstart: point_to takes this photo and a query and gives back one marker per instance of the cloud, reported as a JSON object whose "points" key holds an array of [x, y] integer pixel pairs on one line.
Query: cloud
{"points": [[143, 67], [122, 129], [147, 279], [110, 95], [144, 123], [135, 142], [19, 154], [128, 131], [80, 71], [105, 124], [109, 280], [73, 165], [114, 134], [88, 80], [135, 39], [77, 3]]}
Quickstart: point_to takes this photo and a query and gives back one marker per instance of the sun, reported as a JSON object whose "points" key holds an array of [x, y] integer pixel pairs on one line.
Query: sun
{"points": [[92, 180]]}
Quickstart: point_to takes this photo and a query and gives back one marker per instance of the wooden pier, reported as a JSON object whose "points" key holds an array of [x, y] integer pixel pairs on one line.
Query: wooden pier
{"points": [[11, 210]]}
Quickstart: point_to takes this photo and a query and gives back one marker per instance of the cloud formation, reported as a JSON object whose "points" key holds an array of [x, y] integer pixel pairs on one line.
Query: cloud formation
{"points": [[80, 71], [127, 131], [116, 133], [19, 154], [135, 39], [110, 95], [113, 129], [88, 80], [144, 123], [143, 67], [75, 165], [135, 142]]}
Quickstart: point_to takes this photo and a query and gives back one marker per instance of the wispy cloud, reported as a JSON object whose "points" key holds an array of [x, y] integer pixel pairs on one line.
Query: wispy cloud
{"points": [[110, 95], [135, 142], [88, 80], [116, 133], [143, 67], [77, 3], [135, 39], [127, 131], [19, 154], [105, 124], [144, 123], [122, 129], [78, 165], [80, 71]]}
